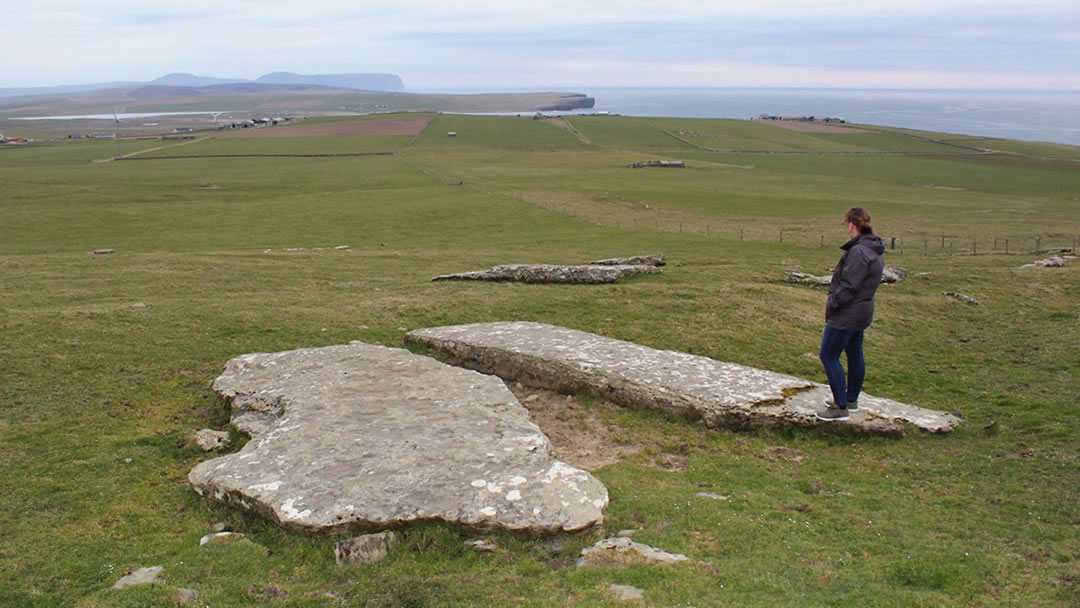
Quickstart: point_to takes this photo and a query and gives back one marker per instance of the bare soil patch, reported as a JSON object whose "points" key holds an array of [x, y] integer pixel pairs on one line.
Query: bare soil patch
{"points": [[812, 127], [580, 435], [410, 125]]}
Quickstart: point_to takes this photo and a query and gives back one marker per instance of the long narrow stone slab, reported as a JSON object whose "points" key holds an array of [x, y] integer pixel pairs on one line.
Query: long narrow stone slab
{"points": [[360, 436], [552, 273], [724, 395]]}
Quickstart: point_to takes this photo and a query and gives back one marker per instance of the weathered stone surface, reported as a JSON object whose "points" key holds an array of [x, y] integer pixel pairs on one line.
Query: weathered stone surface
{"points": [[656, 259], [550, 273], [627, 592], [142, 576], [209, 439], [961, 297], [890, 274], [724, 395], [1050, 262], [622, 551], [366, 549], [359, 436], [186, 596]]}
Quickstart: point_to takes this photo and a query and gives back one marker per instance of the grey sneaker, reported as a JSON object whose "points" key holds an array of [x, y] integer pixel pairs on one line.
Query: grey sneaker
{"points": [[852, 406], [832, 413]]}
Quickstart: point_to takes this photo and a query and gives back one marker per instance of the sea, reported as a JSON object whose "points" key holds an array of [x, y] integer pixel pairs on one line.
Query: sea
{"points": [[1049, 116]]}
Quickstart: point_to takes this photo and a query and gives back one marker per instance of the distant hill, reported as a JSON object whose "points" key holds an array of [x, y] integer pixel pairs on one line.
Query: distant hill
{"points": [[366, 82], [183, 79], [64, 89], [231, 88]]}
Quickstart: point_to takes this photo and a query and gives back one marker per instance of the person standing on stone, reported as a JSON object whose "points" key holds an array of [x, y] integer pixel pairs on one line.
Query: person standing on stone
{"points": [[848, 312]]}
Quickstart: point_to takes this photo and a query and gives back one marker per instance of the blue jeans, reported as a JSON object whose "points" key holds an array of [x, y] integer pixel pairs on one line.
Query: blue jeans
{"points": [[833, 342]]}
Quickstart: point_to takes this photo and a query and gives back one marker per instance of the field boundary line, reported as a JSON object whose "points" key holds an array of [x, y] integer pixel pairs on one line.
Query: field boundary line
{"points": [[972, 151], [129, 155], [189, 156]]}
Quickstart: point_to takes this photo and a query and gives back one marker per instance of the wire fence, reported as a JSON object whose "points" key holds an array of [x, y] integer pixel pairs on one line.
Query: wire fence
{"points": [[921, 243]]}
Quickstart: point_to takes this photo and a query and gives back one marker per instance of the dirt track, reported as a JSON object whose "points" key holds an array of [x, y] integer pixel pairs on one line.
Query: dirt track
{"points": [[407, 125]]}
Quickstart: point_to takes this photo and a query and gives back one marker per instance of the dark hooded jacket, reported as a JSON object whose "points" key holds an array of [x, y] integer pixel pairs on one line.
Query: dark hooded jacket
{"points": [[855, 280]]}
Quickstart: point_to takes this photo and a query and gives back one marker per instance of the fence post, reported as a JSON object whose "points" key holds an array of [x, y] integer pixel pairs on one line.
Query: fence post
{"points": [[740, 234], [1006, 246], [680, 227], [973, 248], [924, 247], [1075, 239], [823, 241], [892, 243], [1038, 243], [995, 243], [781, 236], [942, 242]]}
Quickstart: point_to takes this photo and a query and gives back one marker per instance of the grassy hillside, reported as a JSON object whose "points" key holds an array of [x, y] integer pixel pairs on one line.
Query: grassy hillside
{"points": [[109, 358]]}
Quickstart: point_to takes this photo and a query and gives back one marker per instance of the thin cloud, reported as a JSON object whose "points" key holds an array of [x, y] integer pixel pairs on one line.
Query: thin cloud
{"points": [[491, 43]]}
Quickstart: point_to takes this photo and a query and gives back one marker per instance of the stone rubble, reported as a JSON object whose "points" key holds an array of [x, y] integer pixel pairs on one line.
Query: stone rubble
{"points": [[359, 436], [890, 275], [366, 549], [1050, 262], [210, 440], [723, 395]]}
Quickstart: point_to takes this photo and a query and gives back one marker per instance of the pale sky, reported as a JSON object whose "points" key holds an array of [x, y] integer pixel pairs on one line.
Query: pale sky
{"points": [[478, 44]]}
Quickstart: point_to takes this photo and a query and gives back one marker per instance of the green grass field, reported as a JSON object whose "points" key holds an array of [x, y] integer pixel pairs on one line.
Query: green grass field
{"points": [[108, 359]]}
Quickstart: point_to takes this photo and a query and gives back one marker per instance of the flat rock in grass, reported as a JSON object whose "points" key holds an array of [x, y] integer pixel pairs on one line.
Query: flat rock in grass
{"points": [[724, 395], [221, 538], [627, 592], [551, 273], [961, 297], [142, 576], [623, 551], [359, 436], [482, 545]]}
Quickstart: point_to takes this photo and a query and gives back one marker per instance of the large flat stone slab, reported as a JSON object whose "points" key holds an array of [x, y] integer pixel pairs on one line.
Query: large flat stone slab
{"points": [[360, 436], [724, 395]]}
